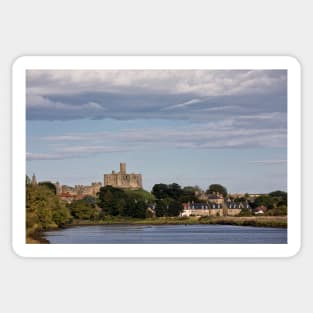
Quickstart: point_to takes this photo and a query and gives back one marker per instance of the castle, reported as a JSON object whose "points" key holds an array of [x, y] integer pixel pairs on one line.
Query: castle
{"points": [[78, 190], [122, 179], [117, 180]]}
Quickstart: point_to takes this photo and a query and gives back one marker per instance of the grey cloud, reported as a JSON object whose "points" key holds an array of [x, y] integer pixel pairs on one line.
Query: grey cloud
{"points": [[195, 95], [125, 107], [201, 82]]}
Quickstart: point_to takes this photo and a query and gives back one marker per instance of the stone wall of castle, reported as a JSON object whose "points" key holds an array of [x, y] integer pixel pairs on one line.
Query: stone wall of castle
{"points": [[79, 190]]}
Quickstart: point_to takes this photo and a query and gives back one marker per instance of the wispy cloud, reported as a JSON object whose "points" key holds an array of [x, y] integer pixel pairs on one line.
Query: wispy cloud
{"points": [[268, 162], [211, 135], [73, 152], [182, 105]]}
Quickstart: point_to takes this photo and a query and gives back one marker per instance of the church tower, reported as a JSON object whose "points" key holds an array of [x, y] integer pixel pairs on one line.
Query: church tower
{"points": [[34, 180]]}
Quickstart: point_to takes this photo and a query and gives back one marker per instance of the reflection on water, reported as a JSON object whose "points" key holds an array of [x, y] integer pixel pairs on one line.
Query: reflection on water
{"points": [[168, 234]]}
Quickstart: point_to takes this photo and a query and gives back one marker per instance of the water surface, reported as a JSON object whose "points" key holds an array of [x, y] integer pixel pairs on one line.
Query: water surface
{"points": [[167, 234]]}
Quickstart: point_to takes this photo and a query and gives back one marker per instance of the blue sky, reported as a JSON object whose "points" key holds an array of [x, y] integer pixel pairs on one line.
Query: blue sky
{"points": [[190, 127]]}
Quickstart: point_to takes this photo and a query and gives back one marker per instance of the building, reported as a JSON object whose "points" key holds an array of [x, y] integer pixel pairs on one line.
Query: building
{"points": [[122, 179], [69, 193], [34, 180], [260, 210], [211, 208]]}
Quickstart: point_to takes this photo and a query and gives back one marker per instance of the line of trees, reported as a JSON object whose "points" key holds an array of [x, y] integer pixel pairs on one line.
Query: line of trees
{"points": [[44, 209]]}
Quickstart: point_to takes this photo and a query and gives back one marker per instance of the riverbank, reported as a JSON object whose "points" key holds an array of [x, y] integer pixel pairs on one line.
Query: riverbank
{"points": [[257, 221], [36, 237]]}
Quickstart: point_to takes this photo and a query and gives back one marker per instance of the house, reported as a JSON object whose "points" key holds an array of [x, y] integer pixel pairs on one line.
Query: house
{"points": [[215, 207], [260, 210]]}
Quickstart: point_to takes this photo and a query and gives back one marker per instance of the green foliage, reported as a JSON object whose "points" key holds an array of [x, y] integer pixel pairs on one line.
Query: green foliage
{"points": [[141, 194], [118, 202], [175, 208], [83, 209], [245, 212], [168, 207], [281, 197], [275, 202], [160, 191], [90, 200], [189, 194], [169, 198], [137, 209], [44, 209], [110, 200], [265, 200], [161, 207], [279, 211], [174, 191], [217, 188], [49, 185]]}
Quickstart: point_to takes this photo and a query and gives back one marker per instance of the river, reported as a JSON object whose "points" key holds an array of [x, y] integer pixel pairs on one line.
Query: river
{"points": [[167, 234]]}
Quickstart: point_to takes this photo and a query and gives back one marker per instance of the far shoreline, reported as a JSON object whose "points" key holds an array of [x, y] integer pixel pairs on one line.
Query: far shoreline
{"points": [[256, 221]]}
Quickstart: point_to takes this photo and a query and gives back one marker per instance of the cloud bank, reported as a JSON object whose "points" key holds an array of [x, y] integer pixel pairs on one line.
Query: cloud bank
{"points": [[221, 108], [180, 94]]}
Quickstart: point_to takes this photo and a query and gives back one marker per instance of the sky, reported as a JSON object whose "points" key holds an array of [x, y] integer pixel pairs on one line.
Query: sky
{"points": [[192, 127]]}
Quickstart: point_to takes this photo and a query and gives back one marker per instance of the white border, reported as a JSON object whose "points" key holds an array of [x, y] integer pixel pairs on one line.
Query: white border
{"points": [[156, 62]]}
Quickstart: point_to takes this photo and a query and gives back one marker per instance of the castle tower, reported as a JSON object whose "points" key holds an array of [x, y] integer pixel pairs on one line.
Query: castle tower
{"points": [[122, 168], [123, 180]]}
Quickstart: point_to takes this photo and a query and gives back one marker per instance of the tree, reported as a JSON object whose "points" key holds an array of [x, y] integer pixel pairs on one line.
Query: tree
{"points": [[174, 191], [189, 194], [83, 210], [161, 207], [132, 203], [44, 209], [141, 194], [49, 185], [138, 209], [280, 196], [174, 208], [90, 200], [217, 188], [160, 191], [110, 200], [266, 200]]}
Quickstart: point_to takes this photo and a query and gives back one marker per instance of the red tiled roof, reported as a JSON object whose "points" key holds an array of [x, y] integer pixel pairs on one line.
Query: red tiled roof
{"points": [[65, 195]]}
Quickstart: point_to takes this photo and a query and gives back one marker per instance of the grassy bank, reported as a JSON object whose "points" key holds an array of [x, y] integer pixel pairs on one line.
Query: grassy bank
{"points": [[257, 221]]}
